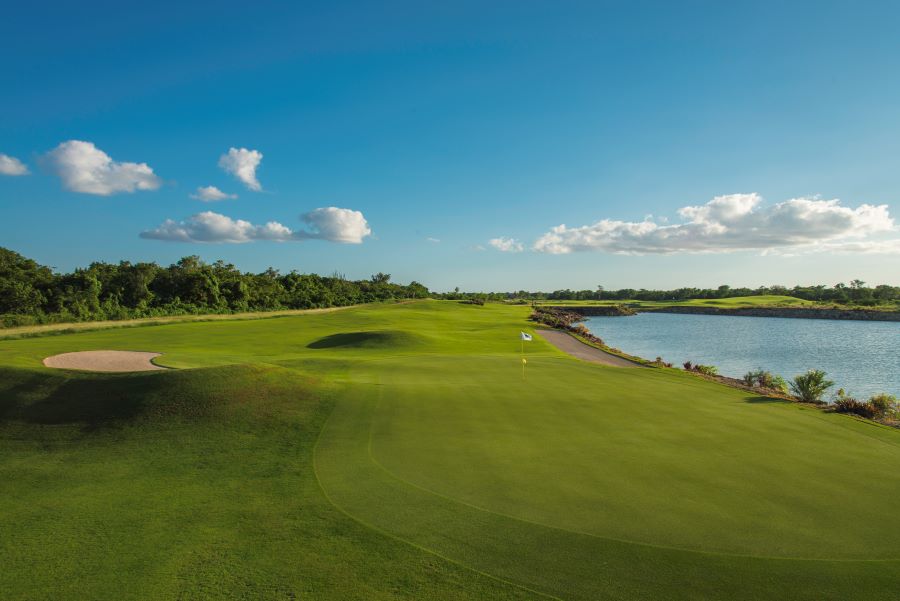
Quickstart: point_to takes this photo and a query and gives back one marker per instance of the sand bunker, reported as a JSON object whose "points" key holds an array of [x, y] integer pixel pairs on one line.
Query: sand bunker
{"points": [[104, 361]]}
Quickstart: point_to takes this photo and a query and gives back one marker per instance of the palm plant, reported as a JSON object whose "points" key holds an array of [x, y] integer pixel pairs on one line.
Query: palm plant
{"points": [[811, 386]]}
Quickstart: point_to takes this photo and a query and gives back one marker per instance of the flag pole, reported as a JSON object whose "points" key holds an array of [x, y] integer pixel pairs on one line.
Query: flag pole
{"points": [[522, 339]]}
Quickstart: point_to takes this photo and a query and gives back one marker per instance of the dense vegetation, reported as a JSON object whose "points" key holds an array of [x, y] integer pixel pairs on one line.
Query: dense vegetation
{"points": [[32, 293]]}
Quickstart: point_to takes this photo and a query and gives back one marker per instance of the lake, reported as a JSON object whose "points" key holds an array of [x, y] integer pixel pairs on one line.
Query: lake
{"points": [[863, 357]]}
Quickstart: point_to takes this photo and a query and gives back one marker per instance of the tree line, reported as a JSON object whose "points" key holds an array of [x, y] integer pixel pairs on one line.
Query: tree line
{"points": [[854, 293], [31, 293]]}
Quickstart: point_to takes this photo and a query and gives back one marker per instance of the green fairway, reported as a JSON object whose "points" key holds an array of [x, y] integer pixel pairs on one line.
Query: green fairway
{"points": [[735, 302], [397, 451]]}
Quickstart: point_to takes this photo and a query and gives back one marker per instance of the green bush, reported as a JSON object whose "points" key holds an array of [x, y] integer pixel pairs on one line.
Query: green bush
{"points": [[883, 405], [765, 379], [811, 386], [708, 370], [779, 384]]}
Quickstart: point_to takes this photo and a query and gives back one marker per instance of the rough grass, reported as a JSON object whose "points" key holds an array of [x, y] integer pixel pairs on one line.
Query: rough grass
{"points": [[83, 326], [390, 452]]}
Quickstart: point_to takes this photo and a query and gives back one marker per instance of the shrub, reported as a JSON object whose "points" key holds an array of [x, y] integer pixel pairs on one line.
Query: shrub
{"points": [[765, 379], [688, 366], [810, 387], [749, 378], [779, 384], [707, 370], [883, 405], [847, 404]]}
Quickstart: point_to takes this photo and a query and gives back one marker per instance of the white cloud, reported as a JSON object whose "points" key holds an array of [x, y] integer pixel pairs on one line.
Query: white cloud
{"points": [[331, 224], [732, 223], [242, 164], [213, 227], [211, 194], [433, 240], [85, 168], [336, 225], [861, 247], [11, 165], [507, 245]]}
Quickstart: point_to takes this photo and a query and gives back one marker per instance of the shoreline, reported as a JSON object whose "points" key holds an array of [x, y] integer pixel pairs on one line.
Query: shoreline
{"points": [[723, 380], [784, 312]]}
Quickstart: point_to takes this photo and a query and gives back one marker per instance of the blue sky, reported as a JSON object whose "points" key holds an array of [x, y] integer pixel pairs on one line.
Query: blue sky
{"points": [[433, 130]]}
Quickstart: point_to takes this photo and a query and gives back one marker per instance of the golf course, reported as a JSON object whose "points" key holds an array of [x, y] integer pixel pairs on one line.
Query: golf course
{"points": [[405, 451]]}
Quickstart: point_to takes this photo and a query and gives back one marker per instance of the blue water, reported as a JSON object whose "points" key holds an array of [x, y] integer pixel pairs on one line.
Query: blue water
{"points": [[863, 357]]}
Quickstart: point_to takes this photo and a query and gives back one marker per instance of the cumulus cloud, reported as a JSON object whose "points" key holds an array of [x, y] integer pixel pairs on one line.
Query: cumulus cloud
{"points": [[213, 227], [242, 164], [507, 245], [211, 194], [85, 168], [732, 223], [331, 223], [336, 225], [11, 165]]}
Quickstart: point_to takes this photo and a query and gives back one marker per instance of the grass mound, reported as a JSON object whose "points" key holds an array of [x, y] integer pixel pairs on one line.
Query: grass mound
{"points": [[378, 339], [92, 402]]}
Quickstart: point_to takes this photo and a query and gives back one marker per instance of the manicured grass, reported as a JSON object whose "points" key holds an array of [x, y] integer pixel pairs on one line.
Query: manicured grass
{"points": [[397, 452], [736, 302], [766, 300]]}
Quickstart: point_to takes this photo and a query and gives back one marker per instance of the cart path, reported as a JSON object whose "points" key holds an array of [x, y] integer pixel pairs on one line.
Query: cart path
{"points": [[580, 350]]}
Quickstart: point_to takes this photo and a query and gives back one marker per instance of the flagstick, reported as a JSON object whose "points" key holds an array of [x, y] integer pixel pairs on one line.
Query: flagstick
{"points": [[523, 357]]}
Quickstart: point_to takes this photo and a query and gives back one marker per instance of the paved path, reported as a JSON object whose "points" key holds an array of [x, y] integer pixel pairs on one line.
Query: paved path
{"points": [[582, 351]]}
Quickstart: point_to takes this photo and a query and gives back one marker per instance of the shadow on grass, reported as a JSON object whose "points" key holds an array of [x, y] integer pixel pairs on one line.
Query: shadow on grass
{"points": [[373, 339], [764, 399], [90, 401]]}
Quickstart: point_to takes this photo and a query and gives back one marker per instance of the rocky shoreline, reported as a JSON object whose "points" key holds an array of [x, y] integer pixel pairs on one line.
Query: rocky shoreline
{"points": [[793, 312]]}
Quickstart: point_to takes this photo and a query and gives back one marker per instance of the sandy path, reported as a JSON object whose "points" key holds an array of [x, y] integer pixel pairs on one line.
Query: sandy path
{"points": [[582, 351], [104, 361]]}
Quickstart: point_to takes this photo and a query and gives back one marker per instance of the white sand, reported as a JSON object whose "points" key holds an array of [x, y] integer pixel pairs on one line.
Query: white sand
{"points": [[104, 361]]}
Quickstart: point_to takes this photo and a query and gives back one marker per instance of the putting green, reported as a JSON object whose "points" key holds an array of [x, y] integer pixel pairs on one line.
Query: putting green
{"points": [[413, 428]]}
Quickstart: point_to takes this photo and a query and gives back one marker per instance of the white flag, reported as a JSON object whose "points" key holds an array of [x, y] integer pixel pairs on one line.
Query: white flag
{"points": [[526, 337]]}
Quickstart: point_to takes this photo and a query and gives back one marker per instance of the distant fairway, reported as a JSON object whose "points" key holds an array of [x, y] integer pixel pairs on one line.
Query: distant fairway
{"points": [[734, 302], [389, 452]]}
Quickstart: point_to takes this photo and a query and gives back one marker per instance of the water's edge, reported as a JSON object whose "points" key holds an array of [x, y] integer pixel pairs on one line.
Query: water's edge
{"points": [[788, 312], [859, 355]]}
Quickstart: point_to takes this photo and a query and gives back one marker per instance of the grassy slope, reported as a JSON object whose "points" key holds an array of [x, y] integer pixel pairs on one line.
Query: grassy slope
{"points": [[580, 482]]}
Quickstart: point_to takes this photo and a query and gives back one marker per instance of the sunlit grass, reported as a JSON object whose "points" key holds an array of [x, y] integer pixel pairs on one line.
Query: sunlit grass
{"points": [[388, 452]]}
